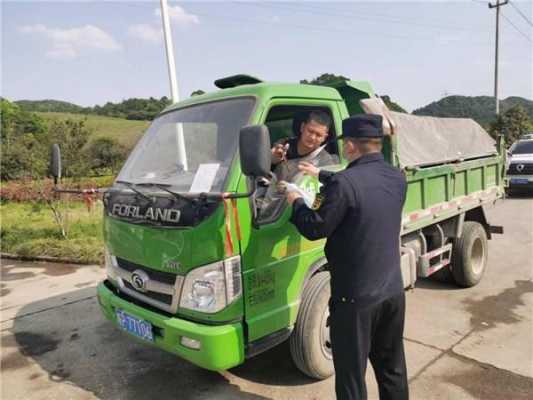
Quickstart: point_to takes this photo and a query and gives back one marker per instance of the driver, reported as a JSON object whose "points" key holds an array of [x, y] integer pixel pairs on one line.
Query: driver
{"points": [[312, 133], [308, 145]]}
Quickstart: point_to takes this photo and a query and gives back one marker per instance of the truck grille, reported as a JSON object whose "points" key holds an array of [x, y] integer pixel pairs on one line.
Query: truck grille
{"points": [[165, 277], [161, 289], [163, 298], [520, 169]]}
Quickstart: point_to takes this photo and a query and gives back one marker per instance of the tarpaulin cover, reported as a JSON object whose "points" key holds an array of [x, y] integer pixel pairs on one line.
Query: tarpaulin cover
{"points": [[430, 140]]}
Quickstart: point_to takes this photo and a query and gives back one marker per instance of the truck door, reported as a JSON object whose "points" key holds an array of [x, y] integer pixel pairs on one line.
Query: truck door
{"points": [[276, 255]]}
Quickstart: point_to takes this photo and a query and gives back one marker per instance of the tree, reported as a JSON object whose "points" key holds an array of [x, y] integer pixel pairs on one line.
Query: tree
{"points": [[392, 105], [512, 124], [16, 122], [72, 136], [325, 79], [23, 142], [105, 155], [24, 157]]}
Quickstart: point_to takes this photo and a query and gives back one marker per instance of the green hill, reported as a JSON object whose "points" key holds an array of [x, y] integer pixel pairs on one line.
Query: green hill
{"points": [[480, 108], [126, 132], [49, 106], [132, 109]]}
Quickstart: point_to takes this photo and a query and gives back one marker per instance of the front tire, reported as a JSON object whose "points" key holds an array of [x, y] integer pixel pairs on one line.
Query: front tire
{"points": [[309, 342], [470, 255]]}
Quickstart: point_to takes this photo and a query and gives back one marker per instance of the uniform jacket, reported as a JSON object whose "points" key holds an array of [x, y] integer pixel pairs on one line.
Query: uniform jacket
{"points": [[360, 215]]}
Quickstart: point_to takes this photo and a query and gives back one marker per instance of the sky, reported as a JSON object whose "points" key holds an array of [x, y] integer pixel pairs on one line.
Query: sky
{"points": [[92, 52]]}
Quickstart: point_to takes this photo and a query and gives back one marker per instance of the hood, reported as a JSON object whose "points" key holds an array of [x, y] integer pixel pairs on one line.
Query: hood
{"points": [[164, 248]]}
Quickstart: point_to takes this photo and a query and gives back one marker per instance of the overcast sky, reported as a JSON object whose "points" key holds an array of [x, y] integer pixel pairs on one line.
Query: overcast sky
{"points": [[97, 51]]}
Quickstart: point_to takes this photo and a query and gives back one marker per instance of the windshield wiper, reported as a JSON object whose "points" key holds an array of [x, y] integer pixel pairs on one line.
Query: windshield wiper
{"points": [[131, 186]]}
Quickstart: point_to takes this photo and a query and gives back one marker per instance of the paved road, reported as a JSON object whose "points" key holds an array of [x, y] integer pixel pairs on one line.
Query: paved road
{"points": [[461, 343]]}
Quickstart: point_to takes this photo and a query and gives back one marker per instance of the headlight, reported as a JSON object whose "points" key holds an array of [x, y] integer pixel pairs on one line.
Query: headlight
{"points": [[212, 287], [110, 265]]}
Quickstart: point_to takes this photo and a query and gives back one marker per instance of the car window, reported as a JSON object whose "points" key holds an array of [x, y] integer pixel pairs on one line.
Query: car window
{"points": [[284, 123], [523, 148]]}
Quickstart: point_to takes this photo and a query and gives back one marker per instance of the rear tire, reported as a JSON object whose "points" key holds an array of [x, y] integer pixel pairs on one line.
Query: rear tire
{"points": [[309, 340], [470, 255]]}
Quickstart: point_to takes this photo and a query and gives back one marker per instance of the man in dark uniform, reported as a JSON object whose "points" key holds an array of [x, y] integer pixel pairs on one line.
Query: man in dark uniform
{"points": [[360, 214]]}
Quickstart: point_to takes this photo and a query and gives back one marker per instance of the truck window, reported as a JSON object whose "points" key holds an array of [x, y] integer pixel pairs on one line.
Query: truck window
{"points": [[284, 123]]}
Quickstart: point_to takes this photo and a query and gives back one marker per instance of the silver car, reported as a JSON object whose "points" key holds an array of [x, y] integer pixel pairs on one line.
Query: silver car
{"points": [[520, 165]]}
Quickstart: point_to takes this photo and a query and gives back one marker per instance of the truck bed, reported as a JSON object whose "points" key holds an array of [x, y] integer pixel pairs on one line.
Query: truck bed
{"points": [[438, 192]]}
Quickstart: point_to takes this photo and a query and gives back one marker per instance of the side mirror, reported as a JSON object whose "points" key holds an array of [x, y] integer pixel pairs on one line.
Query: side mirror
{"points": [[55, 163], [254, 148]]}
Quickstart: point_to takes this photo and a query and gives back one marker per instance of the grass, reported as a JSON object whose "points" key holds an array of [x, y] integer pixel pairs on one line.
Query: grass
{"points": [[126, 132], [29, 229]]}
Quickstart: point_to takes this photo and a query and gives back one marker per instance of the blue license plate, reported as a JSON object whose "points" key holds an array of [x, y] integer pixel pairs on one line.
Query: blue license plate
{"points": [[136, 326], [519, 181]]}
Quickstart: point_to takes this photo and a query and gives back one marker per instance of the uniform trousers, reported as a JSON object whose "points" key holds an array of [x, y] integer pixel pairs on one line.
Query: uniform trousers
{"points": [[374, 333]]}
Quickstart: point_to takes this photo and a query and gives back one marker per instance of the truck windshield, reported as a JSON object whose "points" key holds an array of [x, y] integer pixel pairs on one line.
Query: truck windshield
{"points": [[523, 148], [210, 133]]}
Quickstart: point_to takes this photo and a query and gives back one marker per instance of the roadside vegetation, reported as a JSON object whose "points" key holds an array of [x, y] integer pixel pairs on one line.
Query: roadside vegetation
{"points": [[35, 222], [29, 229]]}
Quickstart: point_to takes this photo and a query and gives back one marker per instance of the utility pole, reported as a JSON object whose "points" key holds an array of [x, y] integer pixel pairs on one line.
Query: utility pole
{"points": [[497, 7], [182, 155]]}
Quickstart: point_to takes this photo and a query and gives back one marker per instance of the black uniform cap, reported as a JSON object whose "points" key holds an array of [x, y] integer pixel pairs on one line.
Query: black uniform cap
{"points": [[362, 126]]}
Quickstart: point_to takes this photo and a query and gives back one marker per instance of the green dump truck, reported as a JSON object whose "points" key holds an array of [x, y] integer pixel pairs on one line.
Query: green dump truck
{"points": [[196, 268]]}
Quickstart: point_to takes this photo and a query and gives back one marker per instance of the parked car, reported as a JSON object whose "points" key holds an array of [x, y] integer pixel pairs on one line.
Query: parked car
{"points": [[520, 165]]}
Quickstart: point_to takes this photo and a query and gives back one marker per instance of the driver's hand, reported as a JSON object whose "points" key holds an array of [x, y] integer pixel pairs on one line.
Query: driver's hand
{"points": [[279, 151], [308, 169], [281, 187]]}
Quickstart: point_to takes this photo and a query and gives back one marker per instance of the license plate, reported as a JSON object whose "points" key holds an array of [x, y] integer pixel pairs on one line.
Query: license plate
{"points": [[519, 181], [136, 326]]}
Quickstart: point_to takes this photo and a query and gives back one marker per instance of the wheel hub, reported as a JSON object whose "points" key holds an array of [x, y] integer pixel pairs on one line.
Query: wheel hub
{"points": [[325, 341]]}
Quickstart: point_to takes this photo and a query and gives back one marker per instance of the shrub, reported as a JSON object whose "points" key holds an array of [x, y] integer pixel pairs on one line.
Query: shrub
{"points": [[72, 136], [105, 155]]}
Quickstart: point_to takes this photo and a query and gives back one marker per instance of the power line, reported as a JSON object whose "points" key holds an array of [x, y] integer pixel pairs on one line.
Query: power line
{"points": [[516, 28], [521, 13], [322, 29], [528, 38], [366, 17]]}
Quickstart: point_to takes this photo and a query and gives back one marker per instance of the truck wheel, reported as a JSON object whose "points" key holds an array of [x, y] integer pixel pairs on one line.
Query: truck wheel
{"points": [[309, 342], [470, 255]]}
